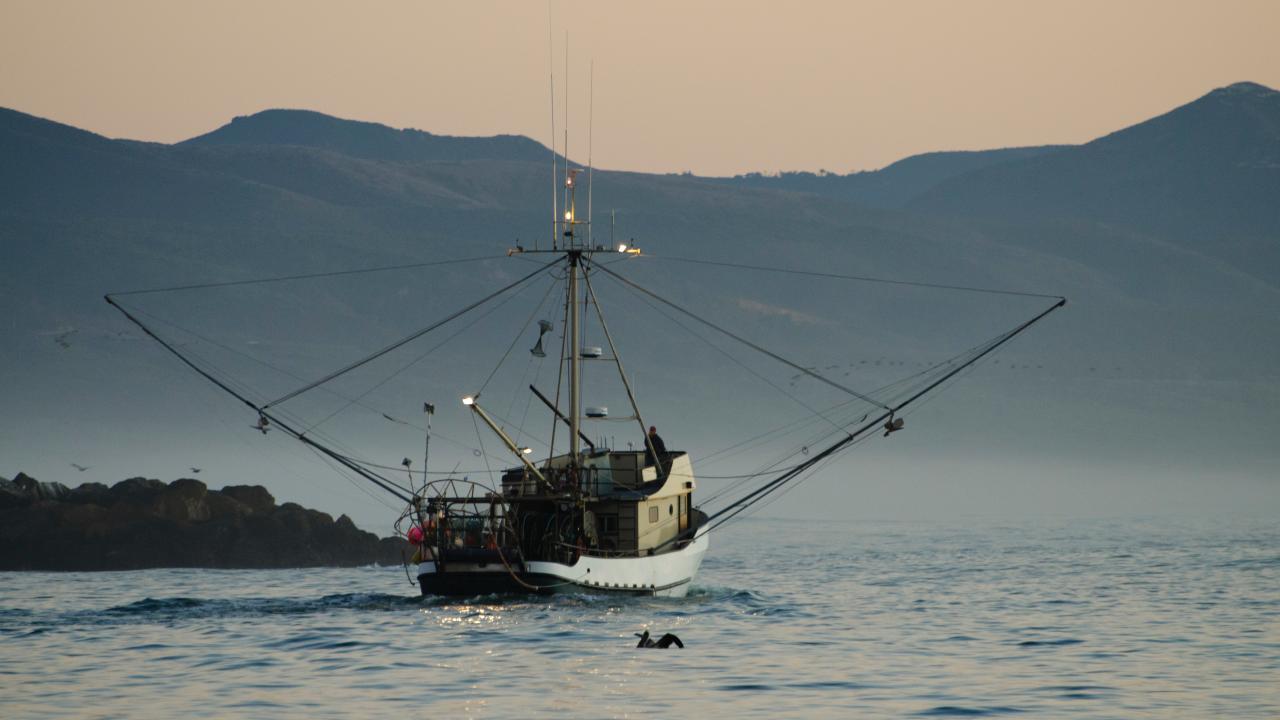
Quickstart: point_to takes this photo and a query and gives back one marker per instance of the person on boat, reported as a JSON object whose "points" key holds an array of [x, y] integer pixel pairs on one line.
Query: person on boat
{"points": [[655, 445]]}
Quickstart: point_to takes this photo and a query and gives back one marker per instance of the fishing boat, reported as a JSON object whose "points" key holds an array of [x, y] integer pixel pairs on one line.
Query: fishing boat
{"points": [[588, 517], [592, 518]]}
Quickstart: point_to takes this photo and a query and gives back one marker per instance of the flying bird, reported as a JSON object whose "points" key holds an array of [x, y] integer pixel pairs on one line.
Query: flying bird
{"points": [[663, 642], [195, 470], [60, 335], [81, 468]]}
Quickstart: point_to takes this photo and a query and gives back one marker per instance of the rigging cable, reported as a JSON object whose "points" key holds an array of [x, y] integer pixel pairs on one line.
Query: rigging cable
{"points": [[411, 363], [769, 487], [736, 361], [860, 278], [376, 479], [732, 510], [409, 338], [537, 309], [746, 342], [309, 276], [310, 430], [560, 377]]}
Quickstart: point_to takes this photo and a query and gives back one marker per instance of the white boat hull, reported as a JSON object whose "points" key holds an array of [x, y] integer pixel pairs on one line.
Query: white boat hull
{"points": [[667, 574]]}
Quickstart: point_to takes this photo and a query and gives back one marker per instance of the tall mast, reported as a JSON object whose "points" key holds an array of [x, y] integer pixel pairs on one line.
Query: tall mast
{"points": [[573, 250], [575, 359]]}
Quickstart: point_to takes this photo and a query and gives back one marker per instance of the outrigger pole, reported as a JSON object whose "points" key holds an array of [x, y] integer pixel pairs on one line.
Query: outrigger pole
{"points": [[267, 418], [760, 493], [381, 482], [551, 406], [470, 402]]}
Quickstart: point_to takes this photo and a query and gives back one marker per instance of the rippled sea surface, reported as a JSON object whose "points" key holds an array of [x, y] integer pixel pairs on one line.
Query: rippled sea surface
{"points": [[1123, 619]]}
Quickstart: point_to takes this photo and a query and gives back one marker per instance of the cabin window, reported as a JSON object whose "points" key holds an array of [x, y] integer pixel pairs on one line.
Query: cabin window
{"points": [[609, 524], [653, 514]]}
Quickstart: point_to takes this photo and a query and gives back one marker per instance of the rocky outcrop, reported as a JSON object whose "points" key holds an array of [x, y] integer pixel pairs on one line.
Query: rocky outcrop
{"points": [[143, 523], [23, 487]]}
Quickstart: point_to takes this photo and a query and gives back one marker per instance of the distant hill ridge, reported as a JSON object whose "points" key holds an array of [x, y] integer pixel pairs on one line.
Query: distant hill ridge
{"points": [[893, 185], [1206, 174], [367, 140]]}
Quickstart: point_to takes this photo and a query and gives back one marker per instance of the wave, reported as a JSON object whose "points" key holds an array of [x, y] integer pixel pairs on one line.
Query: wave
{"points": [[957, 711], [177, 608], [1049, 643]]}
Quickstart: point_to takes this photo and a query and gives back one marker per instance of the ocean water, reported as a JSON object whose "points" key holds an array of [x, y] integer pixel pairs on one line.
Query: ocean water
{"points": [[1099, 619]]}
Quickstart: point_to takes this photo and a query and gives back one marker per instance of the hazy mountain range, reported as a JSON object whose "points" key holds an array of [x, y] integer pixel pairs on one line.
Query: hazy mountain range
{"points": [[1157, 384]]}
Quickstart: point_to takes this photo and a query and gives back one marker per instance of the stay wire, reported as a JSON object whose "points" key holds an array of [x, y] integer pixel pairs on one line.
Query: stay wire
{"points": [[914, 380], [860, 278], [755, 496], [308, 276], [746, 342], [537, 309], [731, 358], [479, 439], [410, 338], [376, 479], [415, 361], [246, 389], [786, 477]]}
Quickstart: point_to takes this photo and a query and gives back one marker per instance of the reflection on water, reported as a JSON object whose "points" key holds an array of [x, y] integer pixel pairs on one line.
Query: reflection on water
{"points": [[1119, 619]]}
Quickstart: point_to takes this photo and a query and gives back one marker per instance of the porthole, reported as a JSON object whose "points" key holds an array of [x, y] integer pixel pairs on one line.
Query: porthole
{"points": [[671, 509]]}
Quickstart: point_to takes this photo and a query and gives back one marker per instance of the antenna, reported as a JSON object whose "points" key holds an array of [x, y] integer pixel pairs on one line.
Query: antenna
{"points": [[551, 70], [566, 122], [591, 110]]}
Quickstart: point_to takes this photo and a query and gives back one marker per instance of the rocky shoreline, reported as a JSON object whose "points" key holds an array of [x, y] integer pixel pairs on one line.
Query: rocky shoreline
{"points": [[141, 523]]}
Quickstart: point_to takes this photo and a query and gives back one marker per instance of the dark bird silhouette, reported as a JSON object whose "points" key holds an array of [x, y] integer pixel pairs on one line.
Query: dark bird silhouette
{"points": [[81, 468], [195, 470], [663, 642]]}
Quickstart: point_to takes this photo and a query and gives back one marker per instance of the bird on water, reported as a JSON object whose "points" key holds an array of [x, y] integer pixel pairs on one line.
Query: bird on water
{"points": [[664, 642]]}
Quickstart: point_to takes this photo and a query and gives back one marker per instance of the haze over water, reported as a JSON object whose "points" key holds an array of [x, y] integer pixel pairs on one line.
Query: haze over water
{"points": [[1122, 618]]}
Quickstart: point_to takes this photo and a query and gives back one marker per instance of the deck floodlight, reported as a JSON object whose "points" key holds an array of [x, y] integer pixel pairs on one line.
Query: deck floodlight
{"points": [[468, 400], [622, 247]]}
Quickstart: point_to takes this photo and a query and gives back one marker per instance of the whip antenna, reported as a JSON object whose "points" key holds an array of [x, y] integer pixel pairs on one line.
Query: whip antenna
{"points": [[551, 71], [591, 110]]}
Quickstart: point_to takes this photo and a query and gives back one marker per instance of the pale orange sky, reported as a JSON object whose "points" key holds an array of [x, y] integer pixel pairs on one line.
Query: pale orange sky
{"points": [[713, 87]]}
